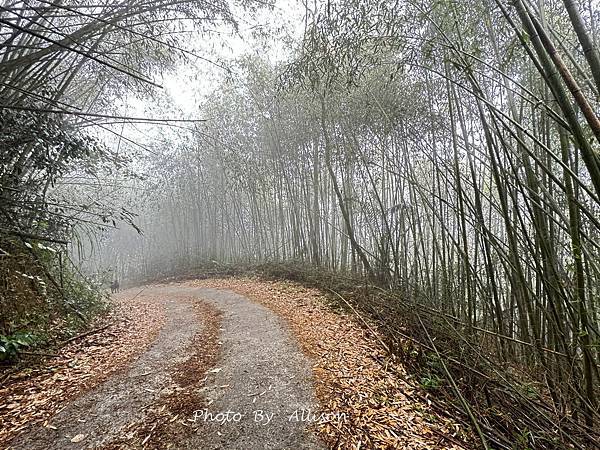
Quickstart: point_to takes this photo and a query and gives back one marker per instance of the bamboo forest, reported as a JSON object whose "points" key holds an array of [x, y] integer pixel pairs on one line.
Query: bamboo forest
{"points": [[277, 224]]}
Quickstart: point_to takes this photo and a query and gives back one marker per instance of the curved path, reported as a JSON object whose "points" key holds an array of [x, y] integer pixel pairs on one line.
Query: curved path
{"points": [[255, 395], [266, 379]]}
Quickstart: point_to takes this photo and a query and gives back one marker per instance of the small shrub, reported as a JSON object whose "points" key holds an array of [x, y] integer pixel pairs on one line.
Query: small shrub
{"points": [[42, 294], [431, 381], [11, 345]]}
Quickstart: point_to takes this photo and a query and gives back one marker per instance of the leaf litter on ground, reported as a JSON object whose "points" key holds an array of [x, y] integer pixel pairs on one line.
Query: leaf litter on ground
{"points": [[367, 398], [34, 394]]}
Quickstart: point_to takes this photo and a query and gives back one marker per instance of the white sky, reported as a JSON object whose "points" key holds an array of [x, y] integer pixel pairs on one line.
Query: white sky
{"points": [[287, 14], [189, 82]]}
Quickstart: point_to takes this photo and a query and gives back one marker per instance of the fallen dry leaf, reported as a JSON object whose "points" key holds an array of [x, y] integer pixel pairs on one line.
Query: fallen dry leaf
{"points": [[78, 438]]}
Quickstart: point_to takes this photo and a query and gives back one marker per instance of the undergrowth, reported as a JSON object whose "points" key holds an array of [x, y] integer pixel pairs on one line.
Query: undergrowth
{"points": [[43, 298]]}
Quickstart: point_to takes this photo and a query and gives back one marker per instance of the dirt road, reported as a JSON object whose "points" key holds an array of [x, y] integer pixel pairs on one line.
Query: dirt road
{"points": [[254, 391]]}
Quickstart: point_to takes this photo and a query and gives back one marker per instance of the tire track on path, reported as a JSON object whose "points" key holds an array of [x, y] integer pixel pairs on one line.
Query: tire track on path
{"points": [[262, 376]]}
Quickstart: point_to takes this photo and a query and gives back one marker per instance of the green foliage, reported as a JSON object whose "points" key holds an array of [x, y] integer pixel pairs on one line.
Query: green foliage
{"points": [[529, 390], [431, 381], [37, 149], [522, 440], [83, 297], [44, 296], [11, 345]]}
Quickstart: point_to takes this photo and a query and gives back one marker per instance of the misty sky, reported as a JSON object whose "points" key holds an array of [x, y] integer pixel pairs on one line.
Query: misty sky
{"points": [[186, 84]]}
